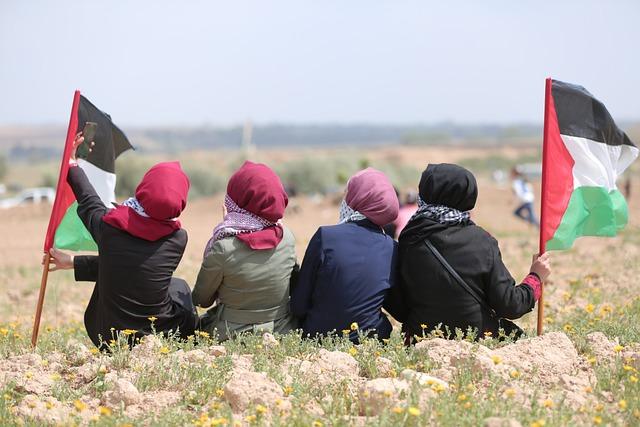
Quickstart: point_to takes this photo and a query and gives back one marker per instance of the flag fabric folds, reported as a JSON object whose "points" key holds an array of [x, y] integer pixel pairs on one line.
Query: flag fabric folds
{"points": [[584, 154], [65, 230]]}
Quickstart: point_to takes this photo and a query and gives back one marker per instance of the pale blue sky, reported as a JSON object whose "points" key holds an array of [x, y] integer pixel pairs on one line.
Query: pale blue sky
{"points": [[151, 62]]}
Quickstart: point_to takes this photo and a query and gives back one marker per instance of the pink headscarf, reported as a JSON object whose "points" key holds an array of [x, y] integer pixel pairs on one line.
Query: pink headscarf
{"points": [[370, 193]]}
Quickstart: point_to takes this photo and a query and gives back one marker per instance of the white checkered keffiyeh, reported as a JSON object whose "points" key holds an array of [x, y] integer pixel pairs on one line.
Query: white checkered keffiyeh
{"points": [[237, 221], [349, 215], [440, 213], [134, 204]]}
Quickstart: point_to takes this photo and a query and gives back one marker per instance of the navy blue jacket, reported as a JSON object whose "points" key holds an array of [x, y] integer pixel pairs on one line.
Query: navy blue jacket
{"points": [[346, 273]]}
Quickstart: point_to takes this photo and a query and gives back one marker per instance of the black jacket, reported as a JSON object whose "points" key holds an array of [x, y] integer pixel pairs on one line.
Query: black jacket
{"points": [[132, 275], [428, 295]]}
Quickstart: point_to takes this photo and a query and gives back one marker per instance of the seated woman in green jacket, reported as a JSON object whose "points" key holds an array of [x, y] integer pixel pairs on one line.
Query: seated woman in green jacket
{"points": [[249, 262]]}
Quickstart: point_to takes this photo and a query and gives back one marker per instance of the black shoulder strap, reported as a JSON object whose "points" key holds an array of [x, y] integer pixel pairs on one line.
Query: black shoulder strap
{"points": [[459, 279]]}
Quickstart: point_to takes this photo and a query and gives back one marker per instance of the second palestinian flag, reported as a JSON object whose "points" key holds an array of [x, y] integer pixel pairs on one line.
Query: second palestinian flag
{"points": [[584, 153], [66, 230]]}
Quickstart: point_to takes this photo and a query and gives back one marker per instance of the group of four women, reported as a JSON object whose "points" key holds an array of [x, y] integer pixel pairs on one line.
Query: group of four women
{"points": [[445, 272]]}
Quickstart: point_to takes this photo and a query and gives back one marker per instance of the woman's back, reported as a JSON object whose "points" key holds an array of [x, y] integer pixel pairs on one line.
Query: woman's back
{"points": [[355, 269], [251, 280]]}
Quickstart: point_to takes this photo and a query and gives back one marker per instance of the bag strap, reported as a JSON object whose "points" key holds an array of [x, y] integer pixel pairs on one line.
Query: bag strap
{"points": [[459, 279]]}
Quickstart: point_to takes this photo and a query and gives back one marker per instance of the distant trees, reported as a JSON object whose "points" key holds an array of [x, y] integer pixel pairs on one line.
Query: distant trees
{"points": [[4, 166]]}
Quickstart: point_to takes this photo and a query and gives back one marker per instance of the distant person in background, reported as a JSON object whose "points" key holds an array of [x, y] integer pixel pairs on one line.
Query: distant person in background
{"points": [[441, 242], [348, 268], [627, 188], [524, 192], [405, 213], [250, 261], [140, 244]]}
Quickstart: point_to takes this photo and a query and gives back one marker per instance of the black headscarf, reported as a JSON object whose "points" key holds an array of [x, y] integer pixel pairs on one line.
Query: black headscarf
{"points": [[442, 184], [449, 185]]}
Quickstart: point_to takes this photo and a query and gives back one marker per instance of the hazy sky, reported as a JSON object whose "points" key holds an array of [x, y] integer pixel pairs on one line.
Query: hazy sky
{"points": [[220, 62]]}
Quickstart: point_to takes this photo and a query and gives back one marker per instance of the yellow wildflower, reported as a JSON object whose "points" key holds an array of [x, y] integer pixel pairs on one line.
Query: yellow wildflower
{"points": [[597, 419], [317, 423], [618, 348], [589, 308], [55, 376], [152, 319], [467, 405], [203, 334], [599, 407], [622, 405], [128, 332], [288, 390], [354, 326], [48, 405], [509, 392], [588, 389], [353, 351], [219, 392], [250, 419], [633, 379], [28, 374], [547, 403], [103, 410], [79, 405], [346, 331], [592, 360], [397, 410], [514, 373], [164, 350], [496, 359], [487, 334], [94, 351], [462, 397], [538, 423], [423, 326], [261, 409], [568, 327], [4, 332], [414, 411]]}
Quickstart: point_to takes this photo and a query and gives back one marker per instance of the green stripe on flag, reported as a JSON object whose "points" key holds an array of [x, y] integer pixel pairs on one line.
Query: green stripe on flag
{"points": [[72, 234], [592, 211]]}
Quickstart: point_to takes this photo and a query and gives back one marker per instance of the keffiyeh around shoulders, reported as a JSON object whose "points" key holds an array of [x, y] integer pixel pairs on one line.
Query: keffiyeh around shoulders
{"points": [[440, 213]]}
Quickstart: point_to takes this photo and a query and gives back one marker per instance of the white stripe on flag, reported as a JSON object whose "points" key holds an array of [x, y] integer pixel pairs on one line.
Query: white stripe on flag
{"points": [[598, 164], [103, 182]]}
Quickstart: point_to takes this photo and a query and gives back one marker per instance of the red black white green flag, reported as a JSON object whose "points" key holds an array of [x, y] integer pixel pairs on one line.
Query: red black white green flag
{"points": [[65, 230], [584, 154]]}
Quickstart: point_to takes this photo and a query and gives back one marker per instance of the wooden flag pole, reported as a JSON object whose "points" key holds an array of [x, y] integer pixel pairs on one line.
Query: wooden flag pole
{"points": [[43, 287], [543, 196]]}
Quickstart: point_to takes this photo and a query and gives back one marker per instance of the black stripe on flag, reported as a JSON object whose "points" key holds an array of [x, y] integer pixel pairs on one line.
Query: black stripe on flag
{"points": [[581, 114], [110, 141]]}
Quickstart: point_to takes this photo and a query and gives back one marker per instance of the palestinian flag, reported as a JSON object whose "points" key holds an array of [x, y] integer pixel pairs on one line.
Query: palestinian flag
{"points": [[584, 153], [65, 230]]}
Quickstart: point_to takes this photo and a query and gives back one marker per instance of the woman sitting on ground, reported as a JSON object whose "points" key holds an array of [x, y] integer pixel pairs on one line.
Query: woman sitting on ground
{"points": [[349, 268], [140, 244], [428, 295], [250, 260]]}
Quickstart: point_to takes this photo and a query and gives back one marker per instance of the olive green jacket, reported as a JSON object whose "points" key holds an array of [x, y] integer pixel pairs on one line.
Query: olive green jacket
{"points": [[250, 287]]}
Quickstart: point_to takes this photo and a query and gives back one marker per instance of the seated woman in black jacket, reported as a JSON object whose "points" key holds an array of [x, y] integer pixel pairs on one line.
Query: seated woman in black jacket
{"points": [[428, 295], [140, 244]]}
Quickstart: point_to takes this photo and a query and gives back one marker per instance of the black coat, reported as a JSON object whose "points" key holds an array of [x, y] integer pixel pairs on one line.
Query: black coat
{"points": [[132, 275], [428, 295]]}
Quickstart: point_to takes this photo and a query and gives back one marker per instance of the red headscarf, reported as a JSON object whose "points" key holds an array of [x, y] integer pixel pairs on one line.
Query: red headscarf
{"points": [[162, 193], [257, 189]]}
